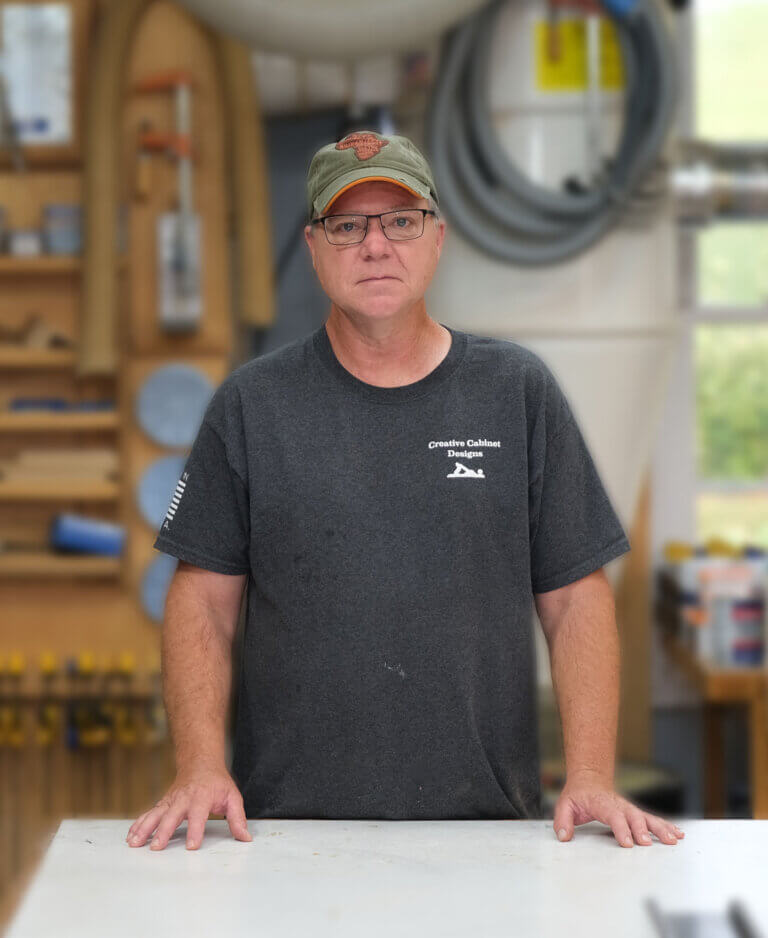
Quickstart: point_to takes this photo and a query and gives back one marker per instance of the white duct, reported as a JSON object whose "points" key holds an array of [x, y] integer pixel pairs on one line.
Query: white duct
{"points": [[332, 29]]}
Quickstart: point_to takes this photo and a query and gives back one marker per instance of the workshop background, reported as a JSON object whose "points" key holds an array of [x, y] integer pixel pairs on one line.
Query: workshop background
{"points": [[602, 170]]}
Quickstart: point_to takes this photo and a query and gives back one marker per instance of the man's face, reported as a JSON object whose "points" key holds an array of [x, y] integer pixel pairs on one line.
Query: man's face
{"points": [[345, 271]]}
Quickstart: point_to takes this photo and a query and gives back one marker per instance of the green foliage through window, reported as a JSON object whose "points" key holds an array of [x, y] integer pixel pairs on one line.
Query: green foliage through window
{"points": [[732, 402]]}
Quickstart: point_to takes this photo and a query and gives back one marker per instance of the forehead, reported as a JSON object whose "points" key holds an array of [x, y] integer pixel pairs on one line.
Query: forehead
{"points": [[375, 196]]}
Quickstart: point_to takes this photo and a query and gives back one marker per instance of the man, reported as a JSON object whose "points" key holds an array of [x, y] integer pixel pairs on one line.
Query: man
{"points": [[394, 492]]}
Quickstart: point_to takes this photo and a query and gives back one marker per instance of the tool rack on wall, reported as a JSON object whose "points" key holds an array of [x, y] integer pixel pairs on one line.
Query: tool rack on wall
{"points": [[82, 729]]}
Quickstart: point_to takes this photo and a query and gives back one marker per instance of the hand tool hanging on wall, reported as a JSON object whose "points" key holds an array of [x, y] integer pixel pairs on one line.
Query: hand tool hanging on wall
{"points": [[9, 136], [13, 739], [48, 728], [180, 302], [248, 175], [97, 346]]}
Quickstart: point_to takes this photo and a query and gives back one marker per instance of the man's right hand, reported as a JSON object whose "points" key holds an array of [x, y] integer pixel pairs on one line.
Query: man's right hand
{"points": [[194, 794]]}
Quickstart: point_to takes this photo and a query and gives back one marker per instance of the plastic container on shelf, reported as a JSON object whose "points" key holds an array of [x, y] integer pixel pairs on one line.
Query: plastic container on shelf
{"points": [[719, 594], [62, 228]]}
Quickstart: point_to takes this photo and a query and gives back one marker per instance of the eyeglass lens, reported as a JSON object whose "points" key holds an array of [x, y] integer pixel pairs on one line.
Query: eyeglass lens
{"points": [[397, 226]]}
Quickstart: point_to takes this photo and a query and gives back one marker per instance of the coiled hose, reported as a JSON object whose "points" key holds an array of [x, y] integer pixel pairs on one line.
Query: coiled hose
{"points": [[493, 204]]}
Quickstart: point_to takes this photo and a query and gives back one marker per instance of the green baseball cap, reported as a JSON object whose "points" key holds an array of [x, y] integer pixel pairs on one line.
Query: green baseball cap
{"points": [[361, 156]]}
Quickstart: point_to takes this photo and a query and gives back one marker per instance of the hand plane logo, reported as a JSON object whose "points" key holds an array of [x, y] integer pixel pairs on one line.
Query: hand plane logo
{"points": [[463, 472]]}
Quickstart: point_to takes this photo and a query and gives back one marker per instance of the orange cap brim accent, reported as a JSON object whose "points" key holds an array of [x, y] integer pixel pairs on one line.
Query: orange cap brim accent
{"points": [[356, 182]]}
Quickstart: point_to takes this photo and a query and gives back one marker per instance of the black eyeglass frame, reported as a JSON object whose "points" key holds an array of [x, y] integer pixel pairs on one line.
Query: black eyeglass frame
{"points": [[322, 218]]}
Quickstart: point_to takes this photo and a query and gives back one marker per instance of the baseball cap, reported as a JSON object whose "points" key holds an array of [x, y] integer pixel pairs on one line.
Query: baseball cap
{"points": [[361, 156]]}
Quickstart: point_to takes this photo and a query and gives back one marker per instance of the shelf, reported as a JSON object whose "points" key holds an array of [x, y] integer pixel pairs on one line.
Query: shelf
{"points": [[715, 682], [28, 420], [56, 264], [12, 356], [40, 264], [48, 564], [87, 490]]}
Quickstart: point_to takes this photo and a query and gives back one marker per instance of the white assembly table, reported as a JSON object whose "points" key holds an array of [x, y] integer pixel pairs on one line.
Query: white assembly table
{"points": [[370, 878]]}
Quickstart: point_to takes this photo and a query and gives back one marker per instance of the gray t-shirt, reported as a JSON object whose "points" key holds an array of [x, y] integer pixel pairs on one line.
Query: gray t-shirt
{"points": [[393, 538]]}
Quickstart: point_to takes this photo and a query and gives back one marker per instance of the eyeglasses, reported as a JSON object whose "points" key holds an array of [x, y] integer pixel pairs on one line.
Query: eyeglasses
{"points": [[401, 225]]}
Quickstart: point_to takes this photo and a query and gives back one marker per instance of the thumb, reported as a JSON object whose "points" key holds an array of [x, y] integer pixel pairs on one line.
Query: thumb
{"points": [[563, 823], [236, 818]]}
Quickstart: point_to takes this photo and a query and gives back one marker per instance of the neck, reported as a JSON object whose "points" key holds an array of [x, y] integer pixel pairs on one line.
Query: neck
{"points": [[388, 352]]}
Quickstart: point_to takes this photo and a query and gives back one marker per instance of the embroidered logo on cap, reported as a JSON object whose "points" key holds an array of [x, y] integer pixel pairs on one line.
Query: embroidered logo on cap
{"points": [[365, 145]]}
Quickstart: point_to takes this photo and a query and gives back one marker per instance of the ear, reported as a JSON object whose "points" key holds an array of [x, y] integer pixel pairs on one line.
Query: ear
{"points": [[440, 237], [310, 242]]}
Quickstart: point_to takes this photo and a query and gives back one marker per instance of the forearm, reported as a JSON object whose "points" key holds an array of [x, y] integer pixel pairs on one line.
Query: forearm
{"points": [[584, 656], [197, 675]]}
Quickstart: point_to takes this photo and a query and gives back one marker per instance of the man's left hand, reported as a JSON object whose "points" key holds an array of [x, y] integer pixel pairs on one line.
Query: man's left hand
{"points": [[586, 799]]}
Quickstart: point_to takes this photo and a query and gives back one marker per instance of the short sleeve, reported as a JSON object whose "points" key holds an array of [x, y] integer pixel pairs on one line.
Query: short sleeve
{"points": [[574, 529], [207, 521]]}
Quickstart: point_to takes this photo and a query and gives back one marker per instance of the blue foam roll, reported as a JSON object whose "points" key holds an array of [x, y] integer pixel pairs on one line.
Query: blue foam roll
{"points": [[90, 535]]}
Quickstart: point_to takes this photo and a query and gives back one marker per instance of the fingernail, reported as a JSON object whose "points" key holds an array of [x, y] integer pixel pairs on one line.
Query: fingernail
{"points": [[191, 844], [628, 841], [646, 838], [562, 833]]}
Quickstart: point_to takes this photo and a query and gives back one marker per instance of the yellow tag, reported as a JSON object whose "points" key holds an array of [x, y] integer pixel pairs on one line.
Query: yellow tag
{"points": [[568, 72]]}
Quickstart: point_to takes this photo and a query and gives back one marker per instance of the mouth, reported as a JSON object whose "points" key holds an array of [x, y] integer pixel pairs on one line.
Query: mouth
{"points": [[369, 279]]}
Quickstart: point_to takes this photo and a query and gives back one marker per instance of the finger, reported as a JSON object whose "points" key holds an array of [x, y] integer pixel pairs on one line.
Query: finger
{"points": [[150, 821], [661, 829], [640, 829], [198, 815], [621, 830], [142, 817], [136, 823], [236, 817], [563, 822], [171, 820]]}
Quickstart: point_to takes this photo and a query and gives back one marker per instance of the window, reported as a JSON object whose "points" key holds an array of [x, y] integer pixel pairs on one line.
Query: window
{"points": [[731, 375], [729, 310]]}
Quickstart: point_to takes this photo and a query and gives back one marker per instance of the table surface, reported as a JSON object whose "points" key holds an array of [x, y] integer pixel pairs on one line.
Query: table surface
{"points": [[373, 878]]}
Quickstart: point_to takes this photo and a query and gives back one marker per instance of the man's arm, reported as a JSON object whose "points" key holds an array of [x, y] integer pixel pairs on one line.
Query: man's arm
{"points": [[579, 624], [201, 615]]}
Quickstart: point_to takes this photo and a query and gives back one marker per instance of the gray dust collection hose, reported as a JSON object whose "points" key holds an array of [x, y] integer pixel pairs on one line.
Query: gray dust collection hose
{"points": [[493, 204]]}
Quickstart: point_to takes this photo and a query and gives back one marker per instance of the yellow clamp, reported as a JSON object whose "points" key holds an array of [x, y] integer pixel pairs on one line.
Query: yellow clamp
{"points": [[125, 728], [15, 732], [86, 663], [127, 663], [48, 664], [94, 735]]}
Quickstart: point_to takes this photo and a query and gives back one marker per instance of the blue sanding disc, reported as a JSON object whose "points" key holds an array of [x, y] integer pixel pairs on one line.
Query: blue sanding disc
{"points": [[171, 403], [156, 486], [155, 583]]}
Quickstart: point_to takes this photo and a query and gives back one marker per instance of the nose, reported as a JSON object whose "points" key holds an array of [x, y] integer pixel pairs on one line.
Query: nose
{"points": [[374, 236]]}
